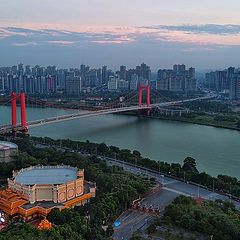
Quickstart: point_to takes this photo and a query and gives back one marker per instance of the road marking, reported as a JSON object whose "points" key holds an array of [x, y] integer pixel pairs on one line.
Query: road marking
{"points": [[169, 182], [175, 191], [211, 195]]}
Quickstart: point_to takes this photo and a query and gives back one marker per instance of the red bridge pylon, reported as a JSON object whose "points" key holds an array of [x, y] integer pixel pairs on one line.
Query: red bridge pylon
{"points": [[14, 98], [140, 94]]}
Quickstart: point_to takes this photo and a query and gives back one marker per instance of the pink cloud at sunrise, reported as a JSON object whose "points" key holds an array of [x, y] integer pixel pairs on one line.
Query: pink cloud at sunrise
{"points": [[201, 39], [137, 30], [120, 35], [60, 42]]}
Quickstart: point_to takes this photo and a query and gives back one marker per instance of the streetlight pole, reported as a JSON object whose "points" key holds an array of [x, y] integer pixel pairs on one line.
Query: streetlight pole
{"points": [[230, 193], [179, 170]]}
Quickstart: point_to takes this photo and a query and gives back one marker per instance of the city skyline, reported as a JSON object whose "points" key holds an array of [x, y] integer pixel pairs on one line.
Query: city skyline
{"points": [[66, 34], [50, 79]]}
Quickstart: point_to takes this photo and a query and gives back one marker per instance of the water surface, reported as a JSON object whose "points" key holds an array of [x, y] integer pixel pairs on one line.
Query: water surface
{"points": [[216, 150]]}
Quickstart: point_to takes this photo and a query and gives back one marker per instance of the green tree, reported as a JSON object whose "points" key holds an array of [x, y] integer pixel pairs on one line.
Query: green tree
{"points": [[136, 153], [238, 123], [56, 217], [189, 164], [109, 231], [102, 148], [152, 228]]}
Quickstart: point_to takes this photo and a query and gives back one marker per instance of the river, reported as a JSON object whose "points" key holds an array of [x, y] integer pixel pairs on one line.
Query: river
{"points": [[216, 150]]}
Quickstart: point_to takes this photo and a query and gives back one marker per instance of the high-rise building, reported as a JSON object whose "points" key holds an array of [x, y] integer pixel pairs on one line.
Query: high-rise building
{"points": [[99, 77], [28, 70], [179, 69], [164, 79], [133, 85], [123, 84], [210, 80], [221, 81], [145, 72], [83, 71], [20, 68], [73, 84], [51, 70], [113, 83], [190, 82], [104, 75], [177, 79], [123, 73], [91, 78], [234, 90]]}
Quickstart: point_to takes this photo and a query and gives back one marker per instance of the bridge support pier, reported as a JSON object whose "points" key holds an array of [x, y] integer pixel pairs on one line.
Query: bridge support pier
{"points": [[14, 112], [14, 98], [23, 113], [140, 93]]}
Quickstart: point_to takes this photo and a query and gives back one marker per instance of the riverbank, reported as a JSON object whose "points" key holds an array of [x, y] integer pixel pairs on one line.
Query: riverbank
{"points": [[200, 120], [216, 149], [116, 191], [177, 171]]}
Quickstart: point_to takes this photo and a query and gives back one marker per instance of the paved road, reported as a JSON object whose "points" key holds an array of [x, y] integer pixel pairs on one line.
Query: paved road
{"points": [[133, 220], [174, 185], [169, 184]]}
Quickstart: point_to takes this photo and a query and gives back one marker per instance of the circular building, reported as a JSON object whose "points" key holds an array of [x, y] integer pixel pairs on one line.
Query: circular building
{"points": [[7, 151], [33, 192], [48, 183]]}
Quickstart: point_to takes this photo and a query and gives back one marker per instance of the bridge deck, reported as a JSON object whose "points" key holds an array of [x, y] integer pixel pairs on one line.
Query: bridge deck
{"points": [[8, 128]]}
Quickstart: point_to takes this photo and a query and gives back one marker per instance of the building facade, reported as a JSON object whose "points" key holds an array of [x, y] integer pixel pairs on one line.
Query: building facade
{"points": [[225, 81], [35, 191], [7, 151], [177, 79]]}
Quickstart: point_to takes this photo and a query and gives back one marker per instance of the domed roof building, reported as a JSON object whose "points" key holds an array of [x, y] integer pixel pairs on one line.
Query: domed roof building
{"points": [[33, 192]]}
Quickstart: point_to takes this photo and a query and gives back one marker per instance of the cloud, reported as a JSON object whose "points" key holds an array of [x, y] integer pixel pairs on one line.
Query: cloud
{"points": [[213, 34], [197, 49], [61, 42], [115, 40], [210, 34], [206, 28], [24, 44], [101, 43]]}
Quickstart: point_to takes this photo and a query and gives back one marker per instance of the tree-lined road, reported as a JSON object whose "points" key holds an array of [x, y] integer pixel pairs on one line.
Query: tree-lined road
{"points": [[133, 221]]}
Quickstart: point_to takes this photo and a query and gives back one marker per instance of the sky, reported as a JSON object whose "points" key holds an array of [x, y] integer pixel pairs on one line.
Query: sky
{"points": [[204, 34]]}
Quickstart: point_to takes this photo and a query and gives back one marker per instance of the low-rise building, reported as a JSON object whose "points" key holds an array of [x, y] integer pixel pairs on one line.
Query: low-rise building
{"points": [[7, 151], [33, 192]]}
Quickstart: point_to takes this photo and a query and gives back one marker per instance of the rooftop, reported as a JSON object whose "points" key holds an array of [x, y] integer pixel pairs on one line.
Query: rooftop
{"points": [[46, 175], [7, 145], [43, 204]]}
